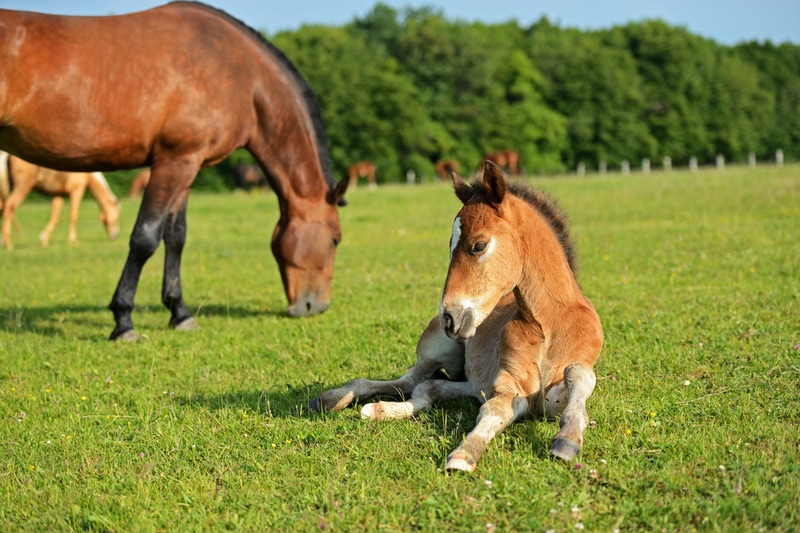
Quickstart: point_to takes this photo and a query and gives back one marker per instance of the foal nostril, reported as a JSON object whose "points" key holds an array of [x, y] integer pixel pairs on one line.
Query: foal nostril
{"points": [[308, 307], [448, 322]]}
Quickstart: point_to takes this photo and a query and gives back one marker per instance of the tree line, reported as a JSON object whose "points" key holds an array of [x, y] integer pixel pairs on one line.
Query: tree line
{"points": [[406, 88]]}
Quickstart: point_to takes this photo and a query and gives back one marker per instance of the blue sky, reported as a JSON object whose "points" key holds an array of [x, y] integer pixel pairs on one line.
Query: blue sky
{"points": [[725, 21]]}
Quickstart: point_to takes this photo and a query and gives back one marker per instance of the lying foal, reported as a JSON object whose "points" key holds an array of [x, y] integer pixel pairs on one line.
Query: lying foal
{"points": [[514, 329]]}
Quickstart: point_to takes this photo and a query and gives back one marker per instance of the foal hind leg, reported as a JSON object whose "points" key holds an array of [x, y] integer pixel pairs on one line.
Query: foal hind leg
{"points": [[578, 384], [435, 351], [423, 395], [174, 240]]}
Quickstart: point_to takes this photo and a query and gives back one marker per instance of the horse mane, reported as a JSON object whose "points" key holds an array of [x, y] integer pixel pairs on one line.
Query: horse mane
{"points": [[300, 83], [546, 206]]}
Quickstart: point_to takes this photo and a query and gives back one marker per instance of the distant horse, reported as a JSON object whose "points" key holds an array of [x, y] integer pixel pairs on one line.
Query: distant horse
{"points": [[249, 176], [176, 88], [362, 169], [18, 178], [139, 182], [514, 329], [445, 167], [507, 159]]}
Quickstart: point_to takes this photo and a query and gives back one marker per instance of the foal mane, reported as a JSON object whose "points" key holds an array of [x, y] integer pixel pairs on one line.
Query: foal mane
{"points": [[549, 209], [300, 83]]}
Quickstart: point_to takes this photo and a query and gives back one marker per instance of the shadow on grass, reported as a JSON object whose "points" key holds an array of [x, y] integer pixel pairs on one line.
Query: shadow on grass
{"points": [[46, 320]]}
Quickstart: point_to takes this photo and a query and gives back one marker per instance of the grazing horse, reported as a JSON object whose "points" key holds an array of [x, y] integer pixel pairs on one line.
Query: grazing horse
{"points": [[362, 169], [507, 159], [445, 167], [18, 178], [176, 88], [514, 329], [139, 182]]}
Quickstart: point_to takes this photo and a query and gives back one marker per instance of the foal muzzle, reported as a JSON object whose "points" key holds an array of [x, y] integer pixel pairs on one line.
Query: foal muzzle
{"points": [[458, 322]]}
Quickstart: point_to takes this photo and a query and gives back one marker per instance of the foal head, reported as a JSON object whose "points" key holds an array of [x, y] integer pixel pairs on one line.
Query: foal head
{"points": [[498, 240]]}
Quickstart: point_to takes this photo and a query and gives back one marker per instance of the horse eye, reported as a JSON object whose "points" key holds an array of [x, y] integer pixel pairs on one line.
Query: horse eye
{"points": [[336, 241], [478, 247]]}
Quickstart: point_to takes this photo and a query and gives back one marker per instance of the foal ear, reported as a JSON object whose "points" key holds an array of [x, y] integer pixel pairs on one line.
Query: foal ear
{"points": [[495, 182], [463, 191], [338, 192]]}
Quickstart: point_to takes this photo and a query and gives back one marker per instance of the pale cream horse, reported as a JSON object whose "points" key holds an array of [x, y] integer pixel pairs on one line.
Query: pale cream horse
{"points": [[514, 329], [18, 178]]}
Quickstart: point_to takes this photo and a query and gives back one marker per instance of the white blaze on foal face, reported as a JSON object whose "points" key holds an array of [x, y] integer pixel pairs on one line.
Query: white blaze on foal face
{"points": [[456, 236]]}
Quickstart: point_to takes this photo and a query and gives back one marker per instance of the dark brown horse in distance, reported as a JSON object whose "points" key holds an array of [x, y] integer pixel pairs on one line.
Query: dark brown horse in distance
{"points": [[176, 88], [445, 168], [506, 159], [362, 169]]}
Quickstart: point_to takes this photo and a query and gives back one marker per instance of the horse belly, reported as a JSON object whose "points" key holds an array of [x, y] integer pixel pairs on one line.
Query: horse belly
{"points": [[99, 93]]}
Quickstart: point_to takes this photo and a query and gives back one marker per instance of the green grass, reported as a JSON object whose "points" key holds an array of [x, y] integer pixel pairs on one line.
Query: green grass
{"points": [[696, 278]]}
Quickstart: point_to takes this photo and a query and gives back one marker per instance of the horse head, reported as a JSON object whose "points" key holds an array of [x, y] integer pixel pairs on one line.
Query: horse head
{"points": [[304, 245], [484, 260]]}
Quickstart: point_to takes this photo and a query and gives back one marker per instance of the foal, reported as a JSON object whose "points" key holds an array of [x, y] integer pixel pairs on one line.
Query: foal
{"points": [[514, 329]]}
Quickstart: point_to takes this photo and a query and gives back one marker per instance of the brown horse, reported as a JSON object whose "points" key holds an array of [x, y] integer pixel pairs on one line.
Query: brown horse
{"points": [[445, 167], [139, 183], [176, 88], [362, 169], [506, 159], [18, 178], [514, 329]]}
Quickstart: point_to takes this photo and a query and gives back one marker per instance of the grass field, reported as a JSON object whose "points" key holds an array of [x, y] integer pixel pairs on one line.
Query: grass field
{"points": [[696, 418]]}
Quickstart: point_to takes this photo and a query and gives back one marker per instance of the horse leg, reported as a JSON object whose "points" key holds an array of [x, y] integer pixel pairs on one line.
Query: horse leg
{"points": [[167, 179], [507, 403], [174, 240], [435, 351], [578, 384], [55, 213], [75, 197], [13, 201]]}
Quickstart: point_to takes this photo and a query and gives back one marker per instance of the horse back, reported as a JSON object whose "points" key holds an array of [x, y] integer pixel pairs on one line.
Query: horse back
{"points": [[180, 77]]}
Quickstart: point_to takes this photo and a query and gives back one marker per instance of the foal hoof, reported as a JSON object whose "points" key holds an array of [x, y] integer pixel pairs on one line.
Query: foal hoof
{"points": [[315, 406], [564, 449], [460, 461], [127, 336], [190, 324]]}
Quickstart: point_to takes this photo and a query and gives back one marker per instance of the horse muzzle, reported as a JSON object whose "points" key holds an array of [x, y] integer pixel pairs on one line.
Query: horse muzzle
{"points": [[307, 305], [458, 322]]}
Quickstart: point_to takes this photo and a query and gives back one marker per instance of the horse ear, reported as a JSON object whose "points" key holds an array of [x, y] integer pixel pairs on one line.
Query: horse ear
{"points": [[338, 192], [463, 191], [495, 182]]}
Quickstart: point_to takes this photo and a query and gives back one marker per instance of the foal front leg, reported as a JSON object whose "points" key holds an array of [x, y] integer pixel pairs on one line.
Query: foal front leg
{"points": [[498, 412], [579, 381]]}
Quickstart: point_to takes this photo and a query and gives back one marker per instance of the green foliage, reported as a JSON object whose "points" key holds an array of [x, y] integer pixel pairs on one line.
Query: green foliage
{"points": [[695, 277]]}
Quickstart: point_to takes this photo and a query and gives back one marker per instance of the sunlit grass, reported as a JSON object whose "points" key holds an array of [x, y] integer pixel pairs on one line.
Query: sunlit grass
{"points": [[696, 278]]}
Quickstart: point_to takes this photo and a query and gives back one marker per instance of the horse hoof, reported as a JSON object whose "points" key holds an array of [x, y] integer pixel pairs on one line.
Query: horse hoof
{"points": [[190, 324], [564, 449], [460, 461], [127, 336]]}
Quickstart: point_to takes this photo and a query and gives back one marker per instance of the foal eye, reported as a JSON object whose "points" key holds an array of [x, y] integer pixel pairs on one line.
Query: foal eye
{"points": [[336, 242], [478, 247]]}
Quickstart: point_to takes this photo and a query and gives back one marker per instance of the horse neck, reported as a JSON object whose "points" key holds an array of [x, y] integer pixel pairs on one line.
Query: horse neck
{"points": [[546, 281], [101, 192]]}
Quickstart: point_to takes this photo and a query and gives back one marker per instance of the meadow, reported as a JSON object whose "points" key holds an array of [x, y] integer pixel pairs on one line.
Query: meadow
{"points": [[695, 417]]}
